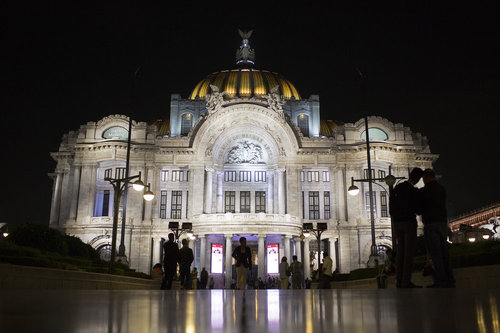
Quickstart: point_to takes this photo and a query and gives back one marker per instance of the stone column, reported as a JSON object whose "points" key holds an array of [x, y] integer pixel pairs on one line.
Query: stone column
{"points": [[298, 249], [229, 259], [208, 190], [203, 250], [281, 191], [270, 193], [84, 196], [74, 194], [56, 199], [341, 192], [331, 251], [262, 257], [220, 192], [306, 259], [287, 248], [157, 250]]}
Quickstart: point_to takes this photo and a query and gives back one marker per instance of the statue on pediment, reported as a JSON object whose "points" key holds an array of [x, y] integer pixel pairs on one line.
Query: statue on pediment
{"points": [[215, 99], [275, 101]]}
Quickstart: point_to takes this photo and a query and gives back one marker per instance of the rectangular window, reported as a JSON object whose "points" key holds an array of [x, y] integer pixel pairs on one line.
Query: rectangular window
{"points": [[120, 173], [326, 176], [302, 176], [381, 174], [229, 201], [367, 204], [187, 175], [383, 204], [313, 176], [175, 175], [164, 175], [326, 202], [260, 176], [245, 176], [176, 205], [163, 204], [245, 202], [366, 173], [314, 205], [105, 203], [229, 176], [260, 201], [108, 173]]}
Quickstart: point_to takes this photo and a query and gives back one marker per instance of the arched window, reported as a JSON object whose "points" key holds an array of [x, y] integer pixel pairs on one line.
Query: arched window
{"points": [[375, 134], [186, 123], [115, 132], [303, 123]]}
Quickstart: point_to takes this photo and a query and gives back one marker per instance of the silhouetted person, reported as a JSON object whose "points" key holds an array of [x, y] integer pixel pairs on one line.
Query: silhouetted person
{"points": [[296, 269], [203, 278], [170, 260], [284, 270], [327, 269], [186, 258], [403, 206], [434, 217], [243, 256]]}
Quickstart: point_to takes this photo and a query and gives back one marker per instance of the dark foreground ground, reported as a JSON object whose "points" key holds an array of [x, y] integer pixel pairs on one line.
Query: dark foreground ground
{"points": [[374, 311]]}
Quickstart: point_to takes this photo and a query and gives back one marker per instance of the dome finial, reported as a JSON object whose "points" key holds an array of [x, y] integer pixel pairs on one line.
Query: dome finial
{"points": [[245, 55]]}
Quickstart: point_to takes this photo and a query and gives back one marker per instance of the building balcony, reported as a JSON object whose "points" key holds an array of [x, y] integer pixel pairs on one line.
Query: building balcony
{"points": [[246, 223]]}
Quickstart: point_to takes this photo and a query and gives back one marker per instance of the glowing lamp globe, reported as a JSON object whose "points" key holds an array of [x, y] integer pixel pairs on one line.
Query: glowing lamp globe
{"points": [[138, 185], [353, 190]]}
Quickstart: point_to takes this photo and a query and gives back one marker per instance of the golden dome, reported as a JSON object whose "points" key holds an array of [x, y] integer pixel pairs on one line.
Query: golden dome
{"points": [[245, 83]]}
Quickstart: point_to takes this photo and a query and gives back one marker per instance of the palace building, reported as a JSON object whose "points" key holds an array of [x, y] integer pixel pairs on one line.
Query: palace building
{"points": [[243, 155]]}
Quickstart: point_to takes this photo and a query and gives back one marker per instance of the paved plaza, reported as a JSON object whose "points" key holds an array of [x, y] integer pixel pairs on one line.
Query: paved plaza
{"points": [[291, 311]]}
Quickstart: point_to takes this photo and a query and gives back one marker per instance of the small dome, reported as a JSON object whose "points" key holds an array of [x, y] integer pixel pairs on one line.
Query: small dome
{"points": [[245, 83]]}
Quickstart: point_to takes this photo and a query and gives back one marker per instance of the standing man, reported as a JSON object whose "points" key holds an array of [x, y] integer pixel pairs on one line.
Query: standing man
{"points": [[435, 220], [186, 258], [296, 269], [243, 256], [403, 206], [170, 260], [203, 278], [327, 270]]}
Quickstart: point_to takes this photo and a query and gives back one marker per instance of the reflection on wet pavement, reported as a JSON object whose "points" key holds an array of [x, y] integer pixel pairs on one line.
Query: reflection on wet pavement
{"points": [[291, 311]]}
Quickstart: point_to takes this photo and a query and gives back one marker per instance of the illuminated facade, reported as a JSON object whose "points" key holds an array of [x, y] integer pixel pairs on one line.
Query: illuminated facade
{"points": [[244, 155]]}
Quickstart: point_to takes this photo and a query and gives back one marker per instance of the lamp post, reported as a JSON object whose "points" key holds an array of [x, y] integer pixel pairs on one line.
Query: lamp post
{"points": [[120, 185], [121, 249], [308, 228], [187, 228], [353, 190]]}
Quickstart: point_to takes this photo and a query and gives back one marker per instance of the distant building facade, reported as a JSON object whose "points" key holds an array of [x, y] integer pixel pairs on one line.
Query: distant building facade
{"points": [[243, 155], [477, 225]]}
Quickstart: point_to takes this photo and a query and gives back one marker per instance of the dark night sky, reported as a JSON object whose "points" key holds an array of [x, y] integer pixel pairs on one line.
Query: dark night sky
{"points": [[433, 67]]}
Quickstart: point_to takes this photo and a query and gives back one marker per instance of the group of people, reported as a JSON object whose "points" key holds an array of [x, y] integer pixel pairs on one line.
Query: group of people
{"points": [[173, 256], [406, 202]]}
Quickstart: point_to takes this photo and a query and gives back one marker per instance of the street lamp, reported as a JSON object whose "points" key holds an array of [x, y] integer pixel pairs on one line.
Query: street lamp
{"points": [[4, 228], [187, 228], [353, 190], [120, 186], [308, 228], [390, 180]]}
